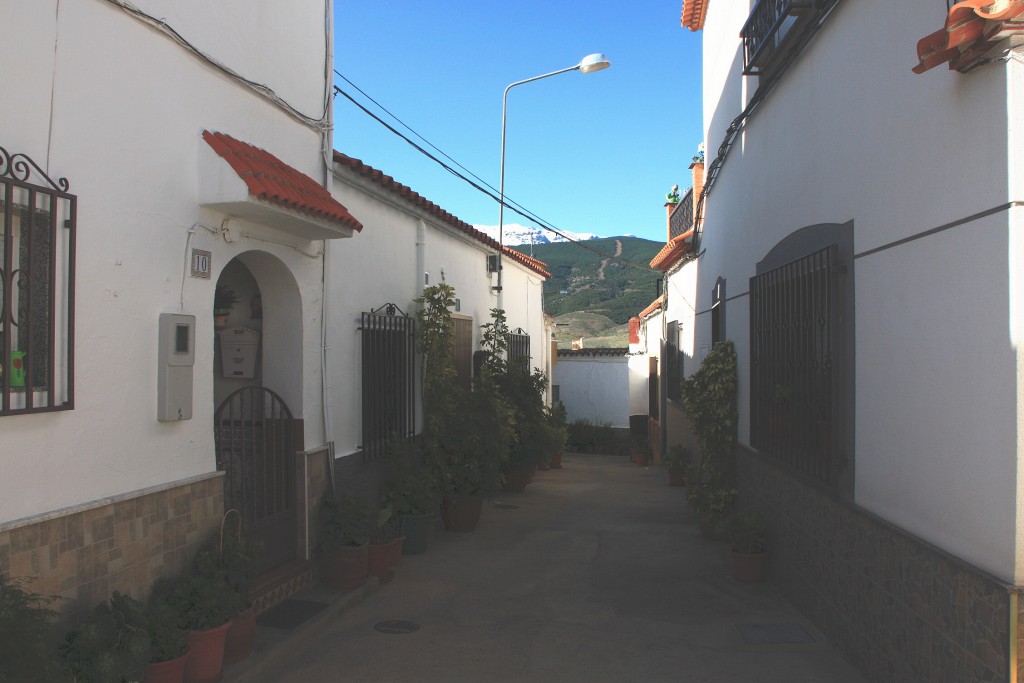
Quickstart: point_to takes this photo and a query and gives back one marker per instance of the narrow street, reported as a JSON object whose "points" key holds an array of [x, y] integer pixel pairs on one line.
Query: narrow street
{"points": [[597, 572]]}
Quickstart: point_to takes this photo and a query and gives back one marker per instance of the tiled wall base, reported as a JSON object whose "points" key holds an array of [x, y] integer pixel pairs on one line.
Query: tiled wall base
{"points": [[86, 553], [898, 608]]}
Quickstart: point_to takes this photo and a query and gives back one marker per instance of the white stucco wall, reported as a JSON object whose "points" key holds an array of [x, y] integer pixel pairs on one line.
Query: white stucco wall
{"points": [[852, 134], [117, 108], [594, 388], [380, 266]]}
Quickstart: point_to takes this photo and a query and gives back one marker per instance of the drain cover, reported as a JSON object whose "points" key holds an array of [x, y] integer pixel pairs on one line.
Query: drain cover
{"points": [[506, 506], [396, 626], [774, 634]]}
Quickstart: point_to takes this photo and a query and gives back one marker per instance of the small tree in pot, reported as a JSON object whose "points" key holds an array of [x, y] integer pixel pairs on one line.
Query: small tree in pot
{"points": [[345, 536], [746, 532]]}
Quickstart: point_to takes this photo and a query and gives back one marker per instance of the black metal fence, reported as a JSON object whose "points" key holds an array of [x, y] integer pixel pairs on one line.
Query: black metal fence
{"points": [[767, 27], [792, 392], [37, 275], [681, 219], [389, 362]]}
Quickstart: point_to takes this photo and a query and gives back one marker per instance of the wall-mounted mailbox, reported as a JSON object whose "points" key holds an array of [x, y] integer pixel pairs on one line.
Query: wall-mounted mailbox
{"points": [[239, 351], [177, 356]]}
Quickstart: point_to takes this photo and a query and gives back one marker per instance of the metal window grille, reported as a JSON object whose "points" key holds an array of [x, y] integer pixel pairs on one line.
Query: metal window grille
{"points": [[792, 351], [37, 274], [681, 219], [519, 347], [388, 378]]}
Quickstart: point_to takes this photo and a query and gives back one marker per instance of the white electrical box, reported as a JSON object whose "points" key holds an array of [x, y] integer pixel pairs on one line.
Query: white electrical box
{"points": [[177, 356], [239, 351]]}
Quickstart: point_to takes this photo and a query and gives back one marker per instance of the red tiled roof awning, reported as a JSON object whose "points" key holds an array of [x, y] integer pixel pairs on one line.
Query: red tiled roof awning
{"points": [[409, 195], [652, 307], [674, 250], [694, 12], [974, 29], [308, 208]]}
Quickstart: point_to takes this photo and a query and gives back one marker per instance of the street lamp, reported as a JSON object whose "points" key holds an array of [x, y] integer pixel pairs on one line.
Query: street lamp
{"points": [[589, 64]]}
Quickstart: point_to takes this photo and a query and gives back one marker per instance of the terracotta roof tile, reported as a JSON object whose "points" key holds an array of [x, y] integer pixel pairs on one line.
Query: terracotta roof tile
{"points": [[674, 250], [634, 330], [972, 29], [694, 12], [409, 195], [270, 179], [654, 306]]}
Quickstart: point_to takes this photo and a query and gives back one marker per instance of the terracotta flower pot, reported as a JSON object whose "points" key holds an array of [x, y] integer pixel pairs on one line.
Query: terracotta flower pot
{"points": [[171, 671], [749, 568], [379, 558], [395, 551], [205, 662], [516, 480], [241, 635], [347, 567], [676, 477], [556, 461], [462, 514]]}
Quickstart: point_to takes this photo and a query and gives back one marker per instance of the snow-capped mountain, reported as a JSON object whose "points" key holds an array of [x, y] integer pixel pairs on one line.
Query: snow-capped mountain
{"points": [[516, 234]]}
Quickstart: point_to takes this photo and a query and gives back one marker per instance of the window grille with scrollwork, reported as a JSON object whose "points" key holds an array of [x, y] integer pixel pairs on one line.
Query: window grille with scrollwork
{"points": [[389, 400], [37, 273]]}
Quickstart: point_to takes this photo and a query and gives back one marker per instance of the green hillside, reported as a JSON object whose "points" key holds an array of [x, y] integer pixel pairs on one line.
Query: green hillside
{"points": [[577, 284]]}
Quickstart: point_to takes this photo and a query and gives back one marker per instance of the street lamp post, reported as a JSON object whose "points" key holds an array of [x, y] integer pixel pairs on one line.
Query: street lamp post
{"points": [[589, 64]]}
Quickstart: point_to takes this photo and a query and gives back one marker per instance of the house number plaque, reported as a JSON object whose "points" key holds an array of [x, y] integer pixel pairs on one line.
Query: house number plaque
{"points": [[201, 263]]}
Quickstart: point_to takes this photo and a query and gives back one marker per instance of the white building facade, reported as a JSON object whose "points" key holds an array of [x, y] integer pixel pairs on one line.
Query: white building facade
{"points": [[857, 240]]}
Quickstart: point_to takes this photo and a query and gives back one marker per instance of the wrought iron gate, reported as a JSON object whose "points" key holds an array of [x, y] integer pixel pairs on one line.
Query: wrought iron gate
{"points": [[254, 438], [389, 360]]}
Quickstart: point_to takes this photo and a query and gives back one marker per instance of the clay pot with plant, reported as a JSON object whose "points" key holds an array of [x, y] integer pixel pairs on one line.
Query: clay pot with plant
{"points": [[746, 532], [224, 299], [676, 461], [345, 538], [28, 642], [169, 644], [111, 644]]}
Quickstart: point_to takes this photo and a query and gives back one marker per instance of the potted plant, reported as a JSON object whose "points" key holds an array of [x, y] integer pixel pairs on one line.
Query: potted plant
{"points": [[556, 421], [204, 609], [676, 461], [169, 644], [410, 490], [112, 644], [746, 533], [28, 644], [711, 503], [345, 537], [233, 560], [385, 543], [224, 299]]}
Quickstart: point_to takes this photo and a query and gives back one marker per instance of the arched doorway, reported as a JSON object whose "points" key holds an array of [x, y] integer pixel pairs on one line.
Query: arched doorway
{"points": [[257, 398]]}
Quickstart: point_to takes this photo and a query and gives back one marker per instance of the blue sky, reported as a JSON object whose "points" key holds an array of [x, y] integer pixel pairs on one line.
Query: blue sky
{"points": [[585, 152]]}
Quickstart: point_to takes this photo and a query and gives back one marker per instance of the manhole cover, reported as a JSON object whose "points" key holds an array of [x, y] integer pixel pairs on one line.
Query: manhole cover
{"points": [[396, 626], [774, 634], [506, 506]]}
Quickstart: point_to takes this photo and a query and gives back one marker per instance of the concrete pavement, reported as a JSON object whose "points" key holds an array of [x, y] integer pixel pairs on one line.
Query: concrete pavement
{"points": [[597, 572]]}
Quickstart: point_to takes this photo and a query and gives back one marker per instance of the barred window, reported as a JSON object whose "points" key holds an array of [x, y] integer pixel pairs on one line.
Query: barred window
{"points": [[388, 378], [37, 266], [673, 363], [519, 347]]}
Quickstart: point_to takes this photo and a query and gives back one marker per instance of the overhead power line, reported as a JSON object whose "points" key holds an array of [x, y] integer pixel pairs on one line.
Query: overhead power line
{"points": [[476, 182]]}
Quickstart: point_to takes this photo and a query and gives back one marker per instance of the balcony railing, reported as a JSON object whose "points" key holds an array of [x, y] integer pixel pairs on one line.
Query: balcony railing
{"points": [[770, 22], [682, 216]]}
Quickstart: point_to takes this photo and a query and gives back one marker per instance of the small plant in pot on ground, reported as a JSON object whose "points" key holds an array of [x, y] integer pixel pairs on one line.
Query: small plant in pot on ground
{"points": [[747, 533], [112, 644], [345, 535], [676, 461]]}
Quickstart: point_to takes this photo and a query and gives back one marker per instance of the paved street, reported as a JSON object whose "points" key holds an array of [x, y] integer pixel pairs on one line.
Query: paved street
{"points": [[596, 573]]}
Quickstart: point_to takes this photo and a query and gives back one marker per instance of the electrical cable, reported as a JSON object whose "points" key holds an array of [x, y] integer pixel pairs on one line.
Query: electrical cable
{"points": [[481, 186]]}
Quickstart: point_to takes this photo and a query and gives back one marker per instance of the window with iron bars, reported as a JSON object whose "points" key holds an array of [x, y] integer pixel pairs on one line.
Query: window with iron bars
{"points": [[796, 362], [37, 272], [389, 381], [519, 348]]}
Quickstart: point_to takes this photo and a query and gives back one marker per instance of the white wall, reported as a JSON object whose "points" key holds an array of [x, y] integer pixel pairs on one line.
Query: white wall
{"points": [[595, 388], [380, 265], [852, 134], [123, 126]]}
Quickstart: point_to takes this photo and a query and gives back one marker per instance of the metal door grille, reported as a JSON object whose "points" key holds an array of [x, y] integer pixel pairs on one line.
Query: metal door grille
{"points": [[388, 378], [253, 435], [792, 320]]}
